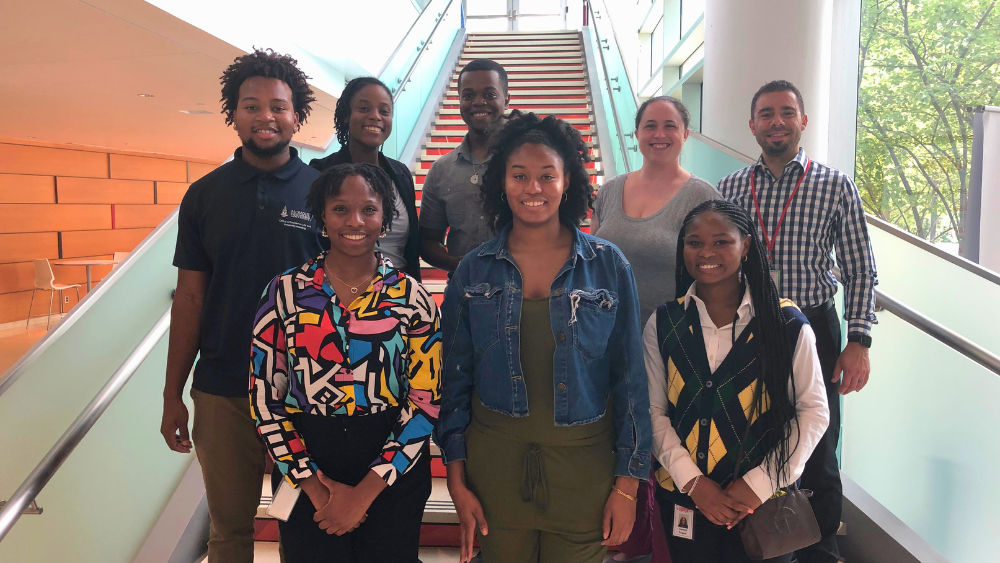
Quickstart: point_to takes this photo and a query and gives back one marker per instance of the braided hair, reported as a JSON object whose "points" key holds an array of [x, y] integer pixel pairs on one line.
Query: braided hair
{"points": [[774, 357], [342, 113], [528, 128]]}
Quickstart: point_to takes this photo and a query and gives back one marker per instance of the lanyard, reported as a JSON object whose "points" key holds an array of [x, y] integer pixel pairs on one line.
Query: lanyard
{"points": [[769, 241]]}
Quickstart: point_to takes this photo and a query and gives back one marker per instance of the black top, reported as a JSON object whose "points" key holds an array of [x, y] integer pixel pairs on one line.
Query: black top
{"points": [[243, 226], [403, 179]]}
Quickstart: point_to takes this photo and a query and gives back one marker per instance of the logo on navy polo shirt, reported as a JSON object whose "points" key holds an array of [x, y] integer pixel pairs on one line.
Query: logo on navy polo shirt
{"points": [[296, 219]]}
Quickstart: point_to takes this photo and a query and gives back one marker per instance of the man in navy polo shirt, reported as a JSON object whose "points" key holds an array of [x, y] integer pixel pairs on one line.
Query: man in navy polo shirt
{"points": [[238, 227]]}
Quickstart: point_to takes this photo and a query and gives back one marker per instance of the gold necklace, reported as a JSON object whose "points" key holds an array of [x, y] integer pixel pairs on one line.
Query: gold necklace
{"points": [[354, 289]]}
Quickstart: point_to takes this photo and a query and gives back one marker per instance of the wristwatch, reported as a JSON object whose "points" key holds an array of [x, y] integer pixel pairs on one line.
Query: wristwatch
{"points": [[862, 339]]}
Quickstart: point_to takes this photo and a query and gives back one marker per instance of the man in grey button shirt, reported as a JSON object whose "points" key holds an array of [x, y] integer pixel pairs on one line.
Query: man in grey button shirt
{"points": [[450, 200]]}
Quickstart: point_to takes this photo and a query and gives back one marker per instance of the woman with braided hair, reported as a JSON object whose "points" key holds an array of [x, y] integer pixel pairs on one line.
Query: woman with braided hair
{"points": [[731, 369], [544, 425]]}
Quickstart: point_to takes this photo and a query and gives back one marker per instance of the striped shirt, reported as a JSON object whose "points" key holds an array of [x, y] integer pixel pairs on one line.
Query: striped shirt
{"points": [[826, 214]]}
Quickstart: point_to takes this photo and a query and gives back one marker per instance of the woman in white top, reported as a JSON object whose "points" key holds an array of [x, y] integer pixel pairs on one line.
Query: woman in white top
{"points": [[731, 368]]}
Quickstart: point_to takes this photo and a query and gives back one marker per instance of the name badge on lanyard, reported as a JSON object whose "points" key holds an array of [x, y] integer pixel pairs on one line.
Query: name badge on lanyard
{"points": [[770, 240], [683, 522]]}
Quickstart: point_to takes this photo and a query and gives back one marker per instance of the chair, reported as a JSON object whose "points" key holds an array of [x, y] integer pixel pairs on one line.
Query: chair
{"points": [[45, 280]]}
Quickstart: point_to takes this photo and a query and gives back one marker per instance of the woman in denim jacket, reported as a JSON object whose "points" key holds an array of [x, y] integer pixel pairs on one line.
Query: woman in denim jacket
{"points": [[541, 340]]}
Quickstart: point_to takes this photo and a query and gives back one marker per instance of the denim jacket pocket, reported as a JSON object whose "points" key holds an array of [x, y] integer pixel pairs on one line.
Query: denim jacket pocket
{"points": [[592, 316], [484, 315]]}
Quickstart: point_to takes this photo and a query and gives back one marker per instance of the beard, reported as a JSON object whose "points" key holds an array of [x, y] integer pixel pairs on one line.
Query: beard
{"points": [[776, 150], [265, 152]]}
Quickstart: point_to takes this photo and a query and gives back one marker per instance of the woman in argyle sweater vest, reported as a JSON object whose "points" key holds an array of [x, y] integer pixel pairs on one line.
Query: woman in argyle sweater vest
{"points": [[715, 358]]}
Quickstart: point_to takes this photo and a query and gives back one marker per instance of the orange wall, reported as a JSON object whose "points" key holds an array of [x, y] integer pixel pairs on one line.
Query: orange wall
{"points": [[62, 201]]}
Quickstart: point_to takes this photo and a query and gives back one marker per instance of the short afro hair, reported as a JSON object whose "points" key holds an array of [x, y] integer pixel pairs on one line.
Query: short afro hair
{"points": [[484, 64], [777, 86], [342, 113], [329, 182], [528, 128], [266, 63]]}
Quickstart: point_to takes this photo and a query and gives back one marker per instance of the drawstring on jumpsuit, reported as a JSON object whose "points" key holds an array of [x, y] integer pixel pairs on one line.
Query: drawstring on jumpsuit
{"points": [[534, 476]]}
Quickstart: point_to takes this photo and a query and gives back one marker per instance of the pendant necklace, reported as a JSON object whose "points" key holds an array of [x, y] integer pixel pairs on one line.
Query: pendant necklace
{"points": [[475, 174], [354, 289]]}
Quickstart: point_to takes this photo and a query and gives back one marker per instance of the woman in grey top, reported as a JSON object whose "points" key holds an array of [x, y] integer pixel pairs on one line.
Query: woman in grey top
{"points": [[642, 213]]}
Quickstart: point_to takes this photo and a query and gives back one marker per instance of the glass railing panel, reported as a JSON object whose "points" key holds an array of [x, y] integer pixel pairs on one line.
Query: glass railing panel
{"points": [[708, 162], [963, 301], [416, 92], [611, 147], [621, 92], [406, 52], [104, 500], [921, 439]]}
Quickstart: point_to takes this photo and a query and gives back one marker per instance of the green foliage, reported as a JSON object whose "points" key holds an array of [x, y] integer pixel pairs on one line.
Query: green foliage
{"points": [[924, 63]]}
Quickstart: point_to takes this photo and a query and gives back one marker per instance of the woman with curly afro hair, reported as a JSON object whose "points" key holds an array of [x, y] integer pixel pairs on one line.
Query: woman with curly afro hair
{"points": [[363, 119], [544, 423]]}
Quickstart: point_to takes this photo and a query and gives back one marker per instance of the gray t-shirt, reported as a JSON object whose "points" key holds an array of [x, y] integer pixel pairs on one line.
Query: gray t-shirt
{"points": [[393, 244], [451, 201], [650, 243]]}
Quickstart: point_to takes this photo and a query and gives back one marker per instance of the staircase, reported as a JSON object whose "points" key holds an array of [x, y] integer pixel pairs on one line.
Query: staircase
{"points": [[547, 75]]}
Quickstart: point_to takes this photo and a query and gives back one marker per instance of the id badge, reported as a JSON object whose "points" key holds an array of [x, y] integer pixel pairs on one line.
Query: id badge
{"points": [[683, 522], [776, 278]]}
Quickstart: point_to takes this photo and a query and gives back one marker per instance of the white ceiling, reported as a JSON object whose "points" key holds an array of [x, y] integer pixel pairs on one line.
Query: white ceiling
{"points": [[72, 71]]}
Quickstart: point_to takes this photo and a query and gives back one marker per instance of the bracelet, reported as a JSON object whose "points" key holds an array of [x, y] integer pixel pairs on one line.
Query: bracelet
{"points": [[623, 493], [693, 485]]}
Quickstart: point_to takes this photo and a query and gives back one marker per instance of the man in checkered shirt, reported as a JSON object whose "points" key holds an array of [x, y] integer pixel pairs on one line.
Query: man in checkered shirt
{"points": [[806, 212]]}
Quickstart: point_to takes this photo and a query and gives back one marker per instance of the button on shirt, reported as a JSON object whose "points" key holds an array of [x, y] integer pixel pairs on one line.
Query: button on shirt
{"points": [[242, 226], [826, 214], [451, 201], [812, 409]]}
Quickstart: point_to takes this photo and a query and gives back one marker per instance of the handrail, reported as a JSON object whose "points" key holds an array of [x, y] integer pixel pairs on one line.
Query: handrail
{"points": [[403, 40], [963, 263], [409, 73], [88, 301], [618, 46], [607, 80], [943, 334], [46, 468]]}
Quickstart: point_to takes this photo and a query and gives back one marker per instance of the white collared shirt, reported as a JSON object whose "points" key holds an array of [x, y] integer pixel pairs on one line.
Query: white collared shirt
{"points": [[811, 407]]}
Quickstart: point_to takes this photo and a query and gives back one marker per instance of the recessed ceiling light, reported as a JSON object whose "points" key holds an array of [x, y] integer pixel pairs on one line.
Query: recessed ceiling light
{"points": [[195, 111], [145, 95]]}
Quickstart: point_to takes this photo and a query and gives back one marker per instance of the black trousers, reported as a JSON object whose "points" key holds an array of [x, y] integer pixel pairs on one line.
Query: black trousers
{"points": [[344, 447], [822, 472], [711, 543]]}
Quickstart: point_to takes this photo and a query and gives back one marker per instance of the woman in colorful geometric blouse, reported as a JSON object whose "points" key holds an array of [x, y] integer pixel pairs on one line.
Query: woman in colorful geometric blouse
{"points": [[345, 383], [731, 368], [544, 420]]}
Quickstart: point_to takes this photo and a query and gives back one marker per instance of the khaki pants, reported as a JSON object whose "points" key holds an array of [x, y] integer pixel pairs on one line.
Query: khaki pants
{"points": [[232, 463]]}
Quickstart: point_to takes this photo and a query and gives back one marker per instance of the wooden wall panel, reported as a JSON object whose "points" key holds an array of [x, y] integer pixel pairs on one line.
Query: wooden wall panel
{"points": [[196, 170], [28, 246], [21, 159], [17, 277], [14, 306], [135, 216], [19, 188], [96, 190], [171, 192], [145, 168], [38, 217], [88, 243]]}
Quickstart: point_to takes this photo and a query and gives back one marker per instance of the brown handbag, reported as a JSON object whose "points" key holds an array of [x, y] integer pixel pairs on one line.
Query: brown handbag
{"points": [[781, 525]]}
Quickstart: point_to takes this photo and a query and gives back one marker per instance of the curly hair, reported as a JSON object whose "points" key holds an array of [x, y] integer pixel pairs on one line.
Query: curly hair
{"points": [[266, 63], [527, 128], [342, 113], [329, 182]]}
